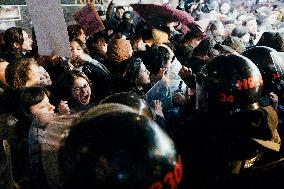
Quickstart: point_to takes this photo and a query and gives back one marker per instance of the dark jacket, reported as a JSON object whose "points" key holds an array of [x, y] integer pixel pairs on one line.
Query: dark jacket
{"points": [[112, 21], [196, 64], [221, 151], [184, 54], [11, 56], [103, 84]]}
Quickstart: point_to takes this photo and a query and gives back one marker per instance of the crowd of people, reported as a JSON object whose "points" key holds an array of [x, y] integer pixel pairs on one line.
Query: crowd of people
{"points": [[146, 105]]}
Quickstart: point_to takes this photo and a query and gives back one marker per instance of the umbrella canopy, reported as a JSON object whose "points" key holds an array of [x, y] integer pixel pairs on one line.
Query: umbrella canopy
{"points": [[162, 14]]}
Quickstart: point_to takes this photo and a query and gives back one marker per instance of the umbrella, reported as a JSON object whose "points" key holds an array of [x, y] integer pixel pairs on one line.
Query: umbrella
{"points": [[162, 14]]}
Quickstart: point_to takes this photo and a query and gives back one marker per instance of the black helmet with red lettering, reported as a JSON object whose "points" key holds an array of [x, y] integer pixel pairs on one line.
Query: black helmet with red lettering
{"points": [[270, 65], [228, 84], [111, 146]]}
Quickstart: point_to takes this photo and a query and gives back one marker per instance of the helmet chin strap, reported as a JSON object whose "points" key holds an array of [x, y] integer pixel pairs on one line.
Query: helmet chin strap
{"points": [[253, 106]]}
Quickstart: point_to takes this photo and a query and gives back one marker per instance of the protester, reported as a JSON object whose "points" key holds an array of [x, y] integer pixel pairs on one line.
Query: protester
{"points": [[16, 44], [73, 92], [137, 76], [113, 19]]}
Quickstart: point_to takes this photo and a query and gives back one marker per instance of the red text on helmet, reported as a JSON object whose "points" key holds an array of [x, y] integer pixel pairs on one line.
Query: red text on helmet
{"points": [[171, 179], [249, 83]]}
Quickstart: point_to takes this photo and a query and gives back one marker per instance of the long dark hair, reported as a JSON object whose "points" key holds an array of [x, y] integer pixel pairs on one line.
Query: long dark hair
{"points": [[11, 36]]}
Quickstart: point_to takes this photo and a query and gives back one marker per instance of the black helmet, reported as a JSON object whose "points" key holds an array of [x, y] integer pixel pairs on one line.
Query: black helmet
{"points": [[271, 67], [127, 16], [111, 146], [130, 99], [228, 84]]}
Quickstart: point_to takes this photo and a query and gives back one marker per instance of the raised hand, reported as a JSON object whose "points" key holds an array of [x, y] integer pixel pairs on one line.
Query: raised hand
{"points": [[63, 107], [185, 72], [158, 108]]}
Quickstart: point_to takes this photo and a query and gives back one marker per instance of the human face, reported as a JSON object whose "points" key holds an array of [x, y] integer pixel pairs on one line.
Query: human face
{"points": [[229, 28], [144, 75], [104, 47], [76, 49], [119, 13], [27, 44], [82, 36], [195, 42], [42, 108], [38, 77], [141, 46], [224, 9], [103, 17], [252, 26], [3, 66], [81, 90]]}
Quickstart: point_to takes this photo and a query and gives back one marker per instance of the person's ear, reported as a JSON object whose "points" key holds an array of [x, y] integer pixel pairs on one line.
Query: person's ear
{"points": [[162, 72], [16, 45]]}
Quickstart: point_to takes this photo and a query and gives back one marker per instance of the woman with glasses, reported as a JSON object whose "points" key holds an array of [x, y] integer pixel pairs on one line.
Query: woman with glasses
{"points": [[72, 92]]}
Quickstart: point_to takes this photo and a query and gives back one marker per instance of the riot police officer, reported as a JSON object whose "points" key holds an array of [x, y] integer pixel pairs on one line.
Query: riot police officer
{"points": [[230, 134], [112, 146]]}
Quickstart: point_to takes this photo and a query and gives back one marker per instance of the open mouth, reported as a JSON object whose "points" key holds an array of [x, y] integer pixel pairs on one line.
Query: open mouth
{"points": [[85, 99]]}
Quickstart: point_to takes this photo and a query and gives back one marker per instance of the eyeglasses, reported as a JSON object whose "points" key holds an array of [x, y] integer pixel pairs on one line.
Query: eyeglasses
{"points": [[77, 90]]}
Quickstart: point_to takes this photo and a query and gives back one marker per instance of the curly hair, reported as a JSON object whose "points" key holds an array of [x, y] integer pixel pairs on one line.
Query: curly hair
{"points": [[17, 74]]}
